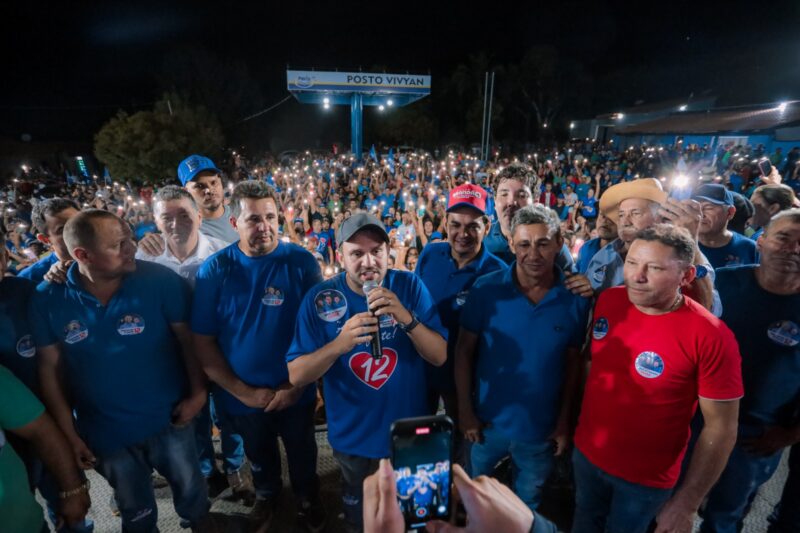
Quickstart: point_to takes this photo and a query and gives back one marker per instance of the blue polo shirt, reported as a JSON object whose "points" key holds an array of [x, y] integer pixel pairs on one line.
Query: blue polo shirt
{"points": [[739, 251], [497, 244], [36, 271], [121, 361], [250, 305], [520, 362], [585, 254], [17, 349], [449, 287], [364, 396], [767, 328]]}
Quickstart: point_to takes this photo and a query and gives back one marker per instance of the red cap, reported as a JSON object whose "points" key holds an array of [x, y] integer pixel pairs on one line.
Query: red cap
{"points": [[468, 194]]}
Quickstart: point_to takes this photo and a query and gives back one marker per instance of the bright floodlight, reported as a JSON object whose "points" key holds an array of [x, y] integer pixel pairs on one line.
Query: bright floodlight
{"points": [[782, 107], [381, 108], [683, 107], [390, 103], [545, 124], [620, 116], [571, 125], [326, 105], [326, 100]]}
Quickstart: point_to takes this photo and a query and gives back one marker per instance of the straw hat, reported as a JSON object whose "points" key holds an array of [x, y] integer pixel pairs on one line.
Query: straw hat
{"points": [[646, 188]]}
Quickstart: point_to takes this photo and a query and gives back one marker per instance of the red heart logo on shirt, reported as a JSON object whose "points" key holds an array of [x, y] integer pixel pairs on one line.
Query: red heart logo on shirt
{"points": [[374, 372]]}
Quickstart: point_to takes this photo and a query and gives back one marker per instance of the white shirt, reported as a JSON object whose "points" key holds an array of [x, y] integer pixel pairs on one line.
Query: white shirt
{"points": [[206, 247]]}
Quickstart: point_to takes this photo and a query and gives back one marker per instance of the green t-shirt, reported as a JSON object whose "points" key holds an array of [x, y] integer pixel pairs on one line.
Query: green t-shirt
{"points": [[18, 407]]}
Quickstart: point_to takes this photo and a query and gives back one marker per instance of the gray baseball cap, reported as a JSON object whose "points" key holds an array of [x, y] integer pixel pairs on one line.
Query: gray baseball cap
{"points": [[356, 223]]}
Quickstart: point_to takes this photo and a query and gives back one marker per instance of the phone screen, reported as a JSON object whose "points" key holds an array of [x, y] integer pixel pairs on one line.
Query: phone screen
{"points": [[421, 455]]}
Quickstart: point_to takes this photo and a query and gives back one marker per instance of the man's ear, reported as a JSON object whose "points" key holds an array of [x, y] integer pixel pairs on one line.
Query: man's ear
{"points": [[233, 222], [80, 254], [41, 237]]}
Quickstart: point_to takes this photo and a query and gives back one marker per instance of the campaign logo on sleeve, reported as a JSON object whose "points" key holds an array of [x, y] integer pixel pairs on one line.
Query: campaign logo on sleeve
{"points": [[600, 328], [331, 305], [25, 346], [130, 324], [272, 297], [75, 331], [600, 274], [374, 372], [784, 333], [649, 365]]}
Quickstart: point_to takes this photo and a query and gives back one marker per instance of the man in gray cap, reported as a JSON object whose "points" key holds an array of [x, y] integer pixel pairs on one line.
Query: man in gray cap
{"points": [[366, 390], [721, 246]]}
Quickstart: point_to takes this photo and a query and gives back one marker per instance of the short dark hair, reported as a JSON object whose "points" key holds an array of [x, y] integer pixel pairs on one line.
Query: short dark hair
{"points": [[80, 229], [173, 192], [50, 207], [519, 172], [675, 237], [250, 189]]}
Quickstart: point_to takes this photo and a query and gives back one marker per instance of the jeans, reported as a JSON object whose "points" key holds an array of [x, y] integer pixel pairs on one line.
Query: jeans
{"points": [[531, 463], [295, 426], [605, 503], [787, 512], [354, 470], [173, 453], [730, 499], [232, 446]]}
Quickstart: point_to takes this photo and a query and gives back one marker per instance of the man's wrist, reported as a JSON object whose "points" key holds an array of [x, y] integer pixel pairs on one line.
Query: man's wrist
{"points": [[83, 488]]}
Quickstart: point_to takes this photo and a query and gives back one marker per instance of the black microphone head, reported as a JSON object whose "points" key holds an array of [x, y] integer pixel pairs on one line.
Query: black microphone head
{"points": [[369, 286]]}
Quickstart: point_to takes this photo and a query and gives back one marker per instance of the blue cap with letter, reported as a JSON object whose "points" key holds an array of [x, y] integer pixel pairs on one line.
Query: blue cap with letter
{"points": [[192, 166]]}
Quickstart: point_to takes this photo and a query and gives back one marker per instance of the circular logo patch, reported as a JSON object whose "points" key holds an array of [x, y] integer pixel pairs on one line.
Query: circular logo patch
{"points": [[649, 365], [130, 324], [75, 331], [25, 346], [272, 297], [600, 328], [331, 305], [599, 275], [461, 297], [784, 333]]}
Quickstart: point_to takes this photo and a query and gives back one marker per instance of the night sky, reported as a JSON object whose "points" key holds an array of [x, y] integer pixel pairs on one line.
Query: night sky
{"points": [[69, 66]]}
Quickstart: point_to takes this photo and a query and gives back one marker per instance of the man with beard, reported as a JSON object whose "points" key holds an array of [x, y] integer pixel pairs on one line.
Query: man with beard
{"points": [[204, 181], [134, 391], [770, 345], [606, 232], [248, 298], [720, 245], [655, 355], [448, 270], [365, 394], [514, 191]]}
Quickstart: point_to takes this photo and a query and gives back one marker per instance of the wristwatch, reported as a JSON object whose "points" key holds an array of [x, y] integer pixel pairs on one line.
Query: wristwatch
{"points": [[411, 325], [83, 488]]}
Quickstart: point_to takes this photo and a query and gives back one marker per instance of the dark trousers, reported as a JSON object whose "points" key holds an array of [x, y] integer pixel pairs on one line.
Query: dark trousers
{"points": [[354, 470], [260, 432]]}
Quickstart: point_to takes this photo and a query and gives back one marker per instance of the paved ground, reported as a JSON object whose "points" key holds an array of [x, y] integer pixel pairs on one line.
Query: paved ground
{"points": [[555, 505]]}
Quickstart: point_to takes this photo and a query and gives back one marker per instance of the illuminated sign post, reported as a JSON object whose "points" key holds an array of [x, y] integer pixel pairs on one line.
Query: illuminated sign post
{"points": [[357, 89]]}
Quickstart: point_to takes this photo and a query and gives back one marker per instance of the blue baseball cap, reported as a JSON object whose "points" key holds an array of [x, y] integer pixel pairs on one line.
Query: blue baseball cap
{"points": [[714, 193], [193, 165]]}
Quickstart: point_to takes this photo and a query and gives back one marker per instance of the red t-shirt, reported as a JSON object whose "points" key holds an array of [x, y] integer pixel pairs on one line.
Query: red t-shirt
{"points": [[646, 375]]}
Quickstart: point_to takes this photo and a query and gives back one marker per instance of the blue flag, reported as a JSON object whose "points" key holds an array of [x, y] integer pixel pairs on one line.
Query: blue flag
{"points": [[391, 160], [372, 153], [106, 176]]}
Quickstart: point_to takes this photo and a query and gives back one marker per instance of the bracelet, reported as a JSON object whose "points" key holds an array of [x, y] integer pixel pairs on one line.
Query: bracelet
{"points": [[83, 488]]}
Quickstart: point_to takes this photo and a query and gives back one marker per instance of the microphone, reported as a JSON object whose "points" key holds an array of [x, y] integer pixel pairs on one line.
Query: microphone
{"points": [[375, 343]]}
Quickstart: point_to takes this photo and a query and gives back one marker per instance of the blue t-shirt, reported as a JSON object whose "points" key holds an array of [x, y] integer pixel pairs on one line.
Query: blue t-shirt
{"points": [[144, 228], [363, 396], [767, 328], [585, 254], [17, 349], [324, 242], [36, 271], [520, 360], [589, 209], [250, 305], [739, 251], [449, 287], [121, 361], [582, 190]]}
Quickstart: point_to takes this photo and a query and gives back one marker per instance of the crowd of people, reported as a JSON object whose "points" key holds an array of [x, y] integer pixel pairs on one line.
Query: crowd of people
{"points": [[136, 318]]}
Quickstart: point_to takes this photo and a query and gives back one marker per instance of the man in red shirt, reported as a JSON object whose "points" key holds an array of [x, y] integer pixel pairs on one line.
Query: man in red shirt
{"points": [[656, 354]]}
